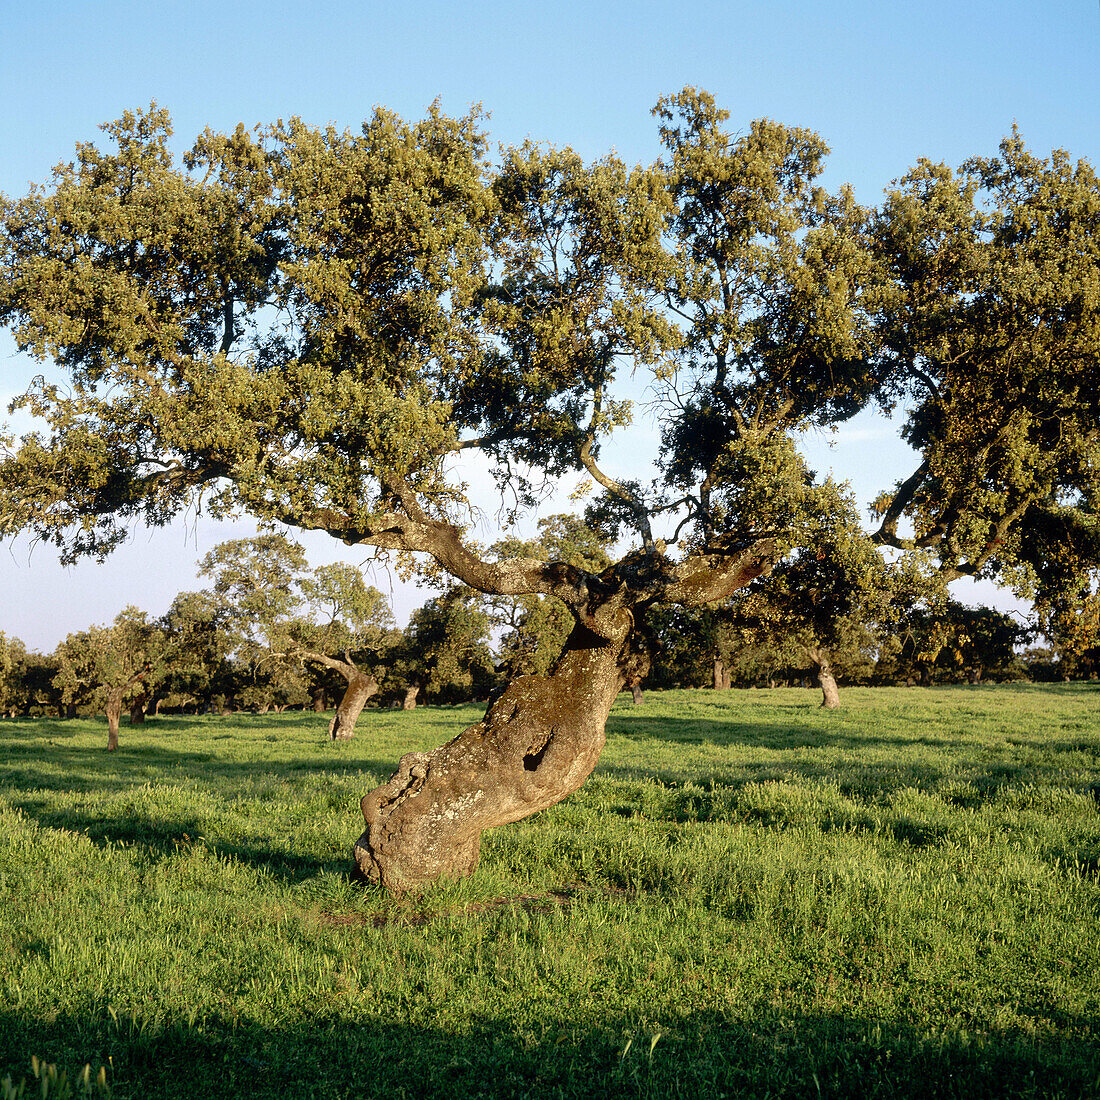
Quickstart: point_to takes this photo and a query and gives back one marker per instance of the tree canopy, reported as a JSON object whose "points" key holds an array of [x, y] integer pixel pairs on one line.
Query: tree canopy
{"points": [[313, 326]]}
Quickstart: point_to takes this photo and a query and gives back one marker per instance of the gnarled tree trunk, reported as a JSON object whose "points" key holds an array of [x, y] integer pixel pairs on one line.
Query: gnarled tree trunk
{"points": [[830, 694], [722, 677], [536, 744], [361, 687], [542, 737], [411, 692]]}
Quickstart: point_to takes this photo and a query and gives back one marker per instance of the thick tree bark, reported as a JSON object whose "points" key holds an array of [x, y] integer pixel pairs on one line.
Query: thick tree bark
{"points": [[830, 694], [542, 737], [722, 677], [536, 744], [361, 686], [137, 709], [636, 692], [320, 700], [411, 692]]}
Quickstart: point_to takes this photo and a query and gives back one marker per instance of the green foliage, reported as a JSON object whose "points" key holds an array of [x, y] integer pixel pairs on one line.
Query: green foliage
{"points": [[129, 656], [275, 614], [766, 271], [535, 627], [445, 650], [990, 318], [309, 325], [13, 673], [955, 642]]}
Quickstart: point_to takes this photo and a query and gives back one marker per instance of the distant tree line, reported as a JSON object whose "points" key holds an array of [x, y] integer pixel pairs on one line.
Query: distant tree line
{"points": [[272, 633]]}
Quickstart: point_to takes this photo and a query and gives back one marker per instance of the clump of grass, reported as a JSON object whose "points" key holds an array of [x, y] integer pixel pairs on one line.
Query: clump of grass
{"points": [[55, 1084]]}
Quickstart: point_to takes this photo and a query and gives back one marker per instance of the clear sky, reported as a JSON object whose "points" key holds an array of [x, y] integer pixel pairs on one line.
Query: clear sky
{"points": [[883, 81]]}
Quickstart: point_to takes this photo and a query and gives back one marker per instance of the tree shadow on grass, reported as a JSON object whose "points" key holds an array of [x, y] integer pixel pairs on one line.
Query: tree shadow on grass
{"points": [[702, 1054], [83, 768], [722, 732], [167, 838]]}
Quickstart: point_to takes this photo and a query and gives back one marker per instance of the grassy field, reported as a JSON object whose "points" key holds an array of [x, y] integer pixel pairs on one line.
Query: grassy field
{"points": [[750, 897]]}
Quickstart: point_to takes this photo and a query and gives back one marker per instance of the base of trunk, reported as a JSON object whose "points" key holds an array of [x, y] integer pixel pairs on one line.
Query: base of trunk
{"points": [[830, 694], [536, 744], [360, 688]]}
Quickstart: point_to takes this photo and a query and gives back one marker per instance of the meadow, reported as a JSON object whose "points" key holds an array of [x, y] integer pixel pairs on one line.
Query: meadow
{"points": [[750, 897]]}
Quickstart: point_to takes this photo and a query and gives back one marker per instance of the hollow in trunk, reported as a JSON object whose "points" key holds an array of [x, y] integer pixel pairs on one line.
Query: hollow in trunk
{"points": [[536, 744]]}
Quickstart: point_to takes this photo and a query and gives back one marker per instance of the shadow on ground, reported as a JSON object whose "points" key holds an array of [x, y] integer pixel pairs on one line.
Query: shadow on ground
{"points": [[701, 1055]]}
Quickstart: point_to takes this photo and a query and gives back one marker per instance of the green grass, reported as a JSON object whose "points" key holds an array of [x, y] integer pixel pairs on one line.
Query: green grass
{"points": [[750, 897]]}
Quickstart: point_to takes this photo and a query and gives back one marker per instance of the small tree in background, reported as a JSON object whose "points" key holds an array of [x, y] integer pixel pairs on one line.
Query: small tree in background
{"points": [[835, 600], [446, 653], [255, 583], [350, 618], [108, 665], [267, 593], [200, 643], [13, 674]]}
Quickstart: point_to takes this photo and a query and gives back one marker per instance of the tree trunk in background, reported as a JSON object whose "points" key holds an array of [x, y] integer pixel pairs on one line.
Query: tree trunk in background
{"points": [[113, 710], [361, 687], [636, 692], [830, 694], [320, 700], [137, 709], [536, 744], [411, 692], [722, 676]]}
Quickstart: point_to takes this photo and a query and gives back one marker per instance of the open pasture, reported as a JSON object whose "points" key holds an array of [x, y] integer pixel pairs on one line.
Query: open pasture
{"points": [[750, 897]]}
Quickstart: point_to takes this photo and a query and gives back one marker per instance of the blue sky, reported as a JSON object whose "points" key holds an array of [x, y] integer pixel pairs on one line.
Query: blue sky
{"points": [[883, 82]]}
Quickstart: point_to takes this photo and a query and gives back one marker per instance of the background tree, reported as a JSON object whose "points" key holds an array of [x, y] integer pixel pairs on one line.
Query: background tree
{"points": [[309, 326], [13, 673], [349, 617], [255, 586], [951, 641], [280, 613], [106, 665], [835, 599], [446, 653], [200, 644]]}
